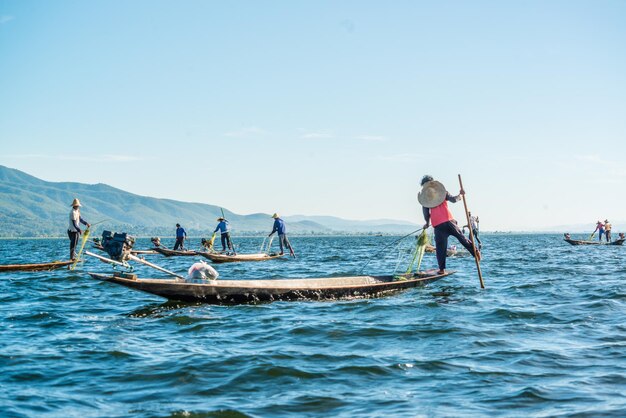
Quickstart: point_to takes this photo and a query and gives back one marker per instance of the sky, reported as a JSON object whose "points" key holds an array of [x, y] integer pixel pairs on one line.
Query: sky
{"points": [[326, 107]]}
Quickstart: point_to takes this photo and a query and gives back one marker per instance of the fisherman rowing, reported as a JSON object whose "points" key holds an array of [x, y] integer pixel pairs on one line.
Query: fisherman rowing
{"points": [[434, 200]]}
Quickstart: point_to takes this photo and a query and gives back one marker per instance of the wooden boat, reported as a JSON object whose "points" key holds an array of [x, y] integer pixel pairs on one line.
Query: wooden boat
{"points": [[35, 267], [232, 258], [229, 292], [584, 242], [135, 252], [170, 253]]}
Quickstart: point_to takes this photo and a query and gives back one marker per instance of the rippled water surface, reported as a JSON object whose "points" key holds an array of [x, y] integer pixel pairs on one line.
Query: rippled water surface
{"points": [[546, 337]]}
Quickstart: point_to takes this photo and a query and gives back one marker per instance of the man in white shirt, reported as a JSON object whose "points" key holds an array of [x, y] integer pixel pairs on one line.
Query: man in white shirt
{"points": [[73, 229]]}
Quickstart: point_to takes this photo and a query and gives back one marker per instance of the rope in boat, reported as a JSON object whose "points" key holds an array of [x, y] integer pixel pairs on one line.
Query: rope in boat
{"points": [[387, 246]]}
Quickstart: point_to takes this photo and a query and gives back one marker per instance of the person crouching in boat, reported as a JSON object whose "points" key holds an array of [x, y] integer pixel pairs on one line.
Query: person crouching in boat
{"points": [[434, 200], [73, 230], [224, 229], [279, 226], [607, 230]]}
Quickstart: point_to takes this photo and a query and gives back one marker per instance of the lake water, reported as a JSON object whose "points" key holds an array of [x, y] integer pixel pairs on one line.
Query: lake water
{"points": [[547, 337]]}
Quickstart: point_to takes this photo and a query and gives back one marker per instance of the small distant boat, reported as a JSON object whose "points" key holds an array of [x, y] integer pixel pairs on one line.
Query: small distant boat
{"points": [[170, 253], [233, 258], [230, 292], [35, 267], [585, 242]]}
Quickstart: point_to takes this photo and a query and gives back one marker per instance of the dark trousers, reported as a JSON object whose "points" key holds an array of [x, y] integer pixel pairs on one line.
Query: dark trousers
{"points": [[442, 232], [478, 241], [180, 243], [73, 242], [607, 234], [283, 241], [226, 240]]}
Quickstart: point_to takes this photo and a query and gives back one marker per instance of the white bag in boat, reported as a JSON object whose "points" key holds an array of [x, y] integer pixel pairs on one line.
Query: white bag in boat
{"points": [[202, 271]]}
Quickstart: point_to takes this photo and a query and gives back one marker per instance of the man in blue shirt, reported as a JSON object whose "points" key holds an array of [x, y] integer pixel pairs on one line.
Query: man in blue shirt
{"points": [[181, 236], [279, 226], [224, 229]]}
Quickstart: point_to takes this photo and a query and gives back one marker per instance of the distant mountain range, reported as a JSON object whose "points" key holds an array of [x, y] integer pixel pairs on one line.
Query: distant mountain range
{"points": [[31, 207]]}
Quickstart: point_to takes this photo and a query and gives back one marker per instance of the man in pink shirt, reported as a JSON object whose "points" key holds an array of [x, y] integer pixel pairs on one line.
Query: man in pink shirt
{"points": [[434, 200]]}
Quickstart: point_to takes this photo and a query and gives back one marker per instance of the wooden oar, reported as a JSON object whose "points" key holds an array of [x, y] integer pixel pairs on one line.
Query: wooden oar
{"points": [[480, 274], [154, 266]]}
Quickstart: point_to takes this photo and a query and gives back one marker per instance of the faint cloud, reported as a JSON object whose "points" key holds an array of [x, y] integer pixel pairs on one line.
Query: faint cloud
{"points": [[105, 158], [6, 18], [251, 131], [607, 171], [373, 138], [348, 25], [317, 135], [403, 158]]}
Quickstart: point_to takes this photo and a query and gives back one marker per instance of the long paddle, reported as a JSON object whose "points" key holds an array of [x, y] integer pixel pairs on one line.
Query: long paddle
{"points": [[480, 274]]}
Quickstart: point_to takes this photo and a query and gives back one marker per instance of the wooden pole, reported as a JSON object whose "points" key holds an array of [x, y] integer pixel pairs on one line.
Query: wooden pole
{"points": [[480, 274]]}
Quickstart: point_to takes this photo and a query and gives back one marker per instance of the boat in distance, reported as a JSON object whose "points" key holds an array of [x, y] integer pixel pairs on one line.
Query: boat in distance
{"points": [[232, 292], [35, 267], [584, 242], [232, 258]]}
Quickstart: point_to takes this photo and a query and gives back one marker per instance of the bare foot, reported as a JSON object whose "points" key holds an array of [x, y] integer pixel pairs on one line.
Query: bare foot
{"points": [[441, 272], [478, 256]]}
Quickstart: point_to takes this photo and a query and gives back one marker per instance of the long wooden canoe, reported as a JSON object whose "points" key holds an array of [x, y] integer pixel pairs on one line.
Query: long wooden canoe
{"points": [[233, 258], [583, 242], [135, 252], [35, 267], [230, 292], [170, 253]]}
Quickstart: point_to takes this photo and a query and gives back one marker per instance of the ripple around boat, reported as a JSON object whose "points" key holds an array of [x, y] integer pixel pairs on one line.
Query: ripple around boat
{"points": [[585, 242], [35, 267], [230, 292], [231, 258]]}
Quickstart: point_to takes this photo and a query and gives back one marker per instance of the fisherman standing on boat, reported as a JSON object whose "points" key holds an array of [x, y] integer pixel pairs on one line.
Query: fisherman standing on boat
{"points": [[474, 224], [607, 230], [279, 226], [181, 236], [224, 229], [73, 230], [434, 200], [600, 229]]}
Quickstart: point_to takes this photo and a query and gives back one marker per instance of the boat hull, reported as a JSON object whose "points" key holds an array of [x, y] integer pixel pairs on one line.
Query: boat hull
{"points": [[225, 258], [582, 242], [35, 267], [231, 292], [172, 253]]}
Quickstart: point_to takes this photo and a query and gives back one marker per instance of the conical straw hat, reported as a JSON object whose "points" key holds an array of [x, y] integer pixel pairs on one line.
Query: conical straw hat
{"points": [[432, 194], [76, 202]]}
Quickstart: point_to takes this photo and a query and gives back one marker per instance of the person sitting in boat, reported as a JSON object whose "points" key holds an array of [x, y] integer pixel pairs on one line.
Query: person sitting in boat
{"points": [[181, 236], [73, 230], [279, 226], [434, 200], [621, 235], [600, 229], [224, 228], [156, 241], [607, 230], [567, 236]]}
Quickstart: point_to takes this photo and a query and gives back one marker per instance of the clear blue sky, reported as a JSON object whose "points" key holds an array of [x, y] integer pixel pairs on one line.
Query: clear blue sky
{"points": [[324, 108]]}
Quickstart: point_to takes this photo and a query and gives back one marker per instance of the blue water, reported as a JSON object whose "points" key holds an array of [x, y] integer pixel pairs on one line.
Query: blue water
{"points": [[547, 337]]}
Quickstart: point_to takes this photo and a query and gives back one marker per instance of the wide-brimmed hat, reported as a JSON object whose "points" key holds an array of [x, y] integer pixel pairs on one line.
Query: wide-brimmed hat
{"points": [[606, 220], [76, 202], [221, 219], [432, 194], [275, 216]]}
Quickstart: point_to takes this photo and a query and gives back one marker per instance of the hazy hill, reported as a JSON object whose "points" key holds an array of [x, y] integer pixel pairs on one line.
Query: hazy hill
{"points": [[31, 207]]}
